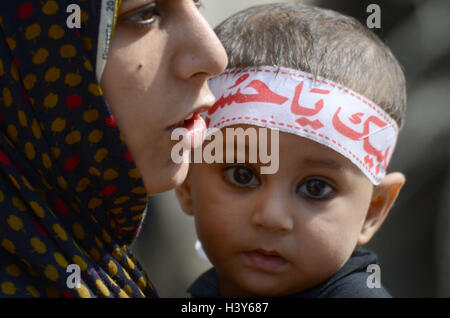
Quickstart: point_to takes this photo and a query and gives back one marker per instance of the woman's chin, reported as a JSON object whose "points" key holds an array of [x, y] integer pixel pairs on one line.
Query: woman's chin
{"points": [[166, 178]]}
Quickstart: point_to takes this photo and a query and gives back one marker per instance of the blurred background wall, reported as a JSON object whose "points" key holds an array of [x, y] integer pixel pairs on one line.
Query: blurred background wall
{"points": [[414, 244]]}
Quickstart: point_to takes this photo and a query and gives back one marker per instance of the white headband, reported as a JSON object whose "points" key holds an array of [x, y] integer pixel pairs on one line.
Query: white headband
{"points": [[299, 103]]}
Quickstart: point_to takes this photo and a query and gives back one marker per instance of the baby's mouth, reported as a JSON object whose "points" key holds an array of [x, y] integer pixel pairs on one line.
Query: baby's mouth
{"points": [[267, 261]]}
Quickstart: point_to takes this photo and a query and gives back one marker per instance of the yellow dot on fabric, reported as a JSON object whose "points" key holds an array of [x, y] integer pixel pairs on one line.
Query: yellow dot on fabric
{"points": [[80, 262], [123, 294], [18, 203], [94, 171], [14, 182], [78, 231], [33, 291], [87, 65], [139, 190], [127, 275], [22, 118], [75, 207], [95, 203], [130, 263], [50, 100], [95, 136], [60, 232], [12, 132], [40, 56], [134, 173], [111, 281], [50, 7], [37, 209], [46, 161], [26, 183], [116, 211], [94, 253], [122, 199], [7, 97], [67, 51], [13, 270], [32, 31], [52, 74], [90, 115], [128, 290], [83, 291], [36, 129], [87, 43], [8, 288], [141, 283], [95, 89], [106, 237], [51, 273], [29, 151], [72, 79], [8, 246], [60, 260], [15, 222], [11, 43], [14, 72], [137, 208], [98, 242], [102, 288], [101, 154], [112, 268], [117, 254], [56, 152], [82, 184], [52, 292], [2, 69], [110, 174], [29, 81], [38, 245], [55, 32], [73, 137], [58, 125]]}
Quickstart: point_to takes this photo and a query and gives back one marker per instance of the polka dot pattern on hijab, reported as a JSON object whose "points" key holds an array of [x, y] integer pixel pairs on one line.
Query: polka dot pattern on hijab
{"points": [[70, 192]]}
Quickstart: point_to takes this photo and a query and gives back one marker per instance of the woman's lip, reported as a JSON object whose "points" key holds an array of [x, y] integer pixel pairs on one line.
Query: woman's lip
{"points": [[193, 131], [266, 261], [182, 123]]}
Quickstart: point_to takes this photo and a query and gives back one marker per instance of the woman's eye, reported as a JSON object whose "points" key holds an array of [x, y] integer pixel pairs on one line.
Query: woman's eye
{"points": [[198, 3], [316, 189], [144, 16], [241, 176]]}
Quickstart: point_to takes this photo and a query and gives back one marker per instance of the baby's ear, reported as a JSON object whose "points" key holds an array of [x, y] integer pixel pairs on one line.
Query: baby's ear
{"points": [[184, 196], [383, 197]]}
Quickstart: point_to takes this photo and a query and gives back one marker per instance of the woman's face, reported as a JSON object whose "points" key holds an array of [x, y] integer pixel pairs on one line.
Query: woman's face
{"points": [[160, 57]]}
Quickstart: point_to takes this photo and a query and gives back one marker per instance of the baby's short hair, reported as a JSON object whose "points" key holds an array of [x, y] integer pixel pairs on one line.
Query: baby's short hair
{"points": [[322, 42]]}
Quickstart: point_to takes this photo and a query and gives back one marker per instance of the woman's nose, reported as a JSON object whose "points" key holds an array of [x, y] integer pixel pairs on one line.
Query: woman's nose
{"points": [[272, 213], [198, 50]]}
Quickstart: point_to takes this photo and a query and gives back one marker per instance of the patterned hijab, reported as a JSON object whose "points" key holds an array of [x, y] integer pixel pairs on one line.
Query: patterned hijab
{"points": [[70, 192]]}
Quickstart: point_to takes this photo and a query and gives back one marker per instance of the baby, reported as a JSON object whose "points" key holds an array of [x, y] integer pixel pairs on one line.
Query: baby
{"points": [[336, 94]]}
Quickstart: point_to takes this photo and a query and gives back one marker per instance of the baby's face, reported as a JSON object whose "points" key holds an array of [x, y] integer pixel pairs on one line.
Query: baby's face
{"points": [[282, 233]]}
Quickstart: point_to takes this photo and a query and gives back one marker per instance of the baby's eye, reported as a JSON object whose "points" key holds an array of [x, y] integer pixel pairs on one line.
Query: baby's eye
{"points": [[316, 189], [143, 16], [241, 176]]}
